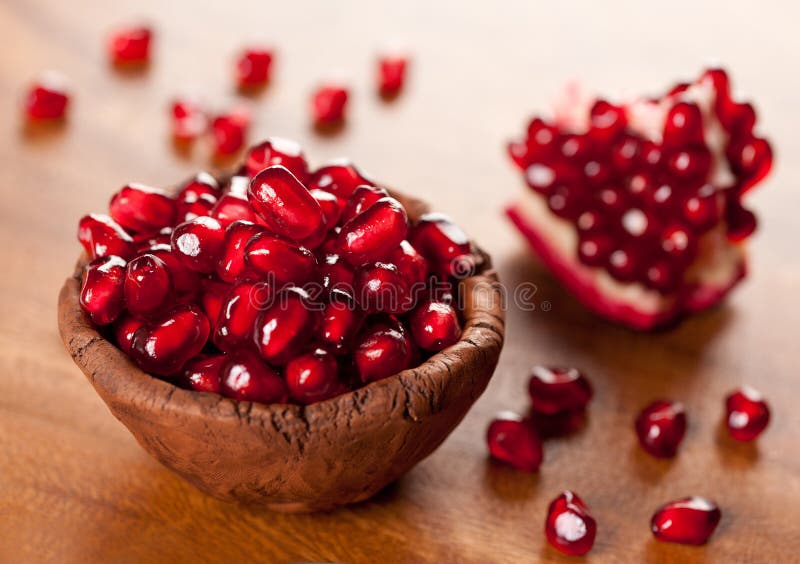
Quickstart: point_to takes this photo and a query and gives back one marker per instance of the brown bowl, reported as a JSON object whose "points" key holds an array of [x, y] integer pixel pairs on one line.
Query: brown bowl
{"points": [[293, 457]]}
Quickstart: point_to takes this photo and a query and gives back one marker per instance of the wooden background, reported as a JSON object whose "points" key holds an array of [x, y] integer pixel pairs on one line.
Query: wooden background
{"points": [[74, 485]]}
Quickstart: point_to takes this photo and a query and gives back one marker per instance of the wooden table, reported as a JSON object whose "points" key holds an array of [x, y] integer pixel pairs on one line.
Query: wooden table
{"points": [[75, 486]]}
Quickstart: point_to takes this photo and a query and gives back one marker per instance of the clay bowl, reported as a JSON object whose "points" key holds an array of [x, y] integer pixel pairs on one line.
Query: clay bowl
{"points": [[291, 457]]}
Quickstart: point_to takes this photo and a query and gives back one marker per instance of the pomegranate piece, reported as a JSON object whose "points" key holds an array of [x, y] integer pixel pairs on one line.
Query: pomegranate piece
{"points": [[285, 205], [513, 441], [142, 209], [313, 377], [246, 377], [202, 374], [230, 131], [340, 323], [252, 67], [328, 104], [360, 199], [197, 197], [232, 266], [381, 350], [339, 178], [283, 329], [691, 520], [163, 347], [101, 236], [391, 74], [197, 244], [102, 292], [746, 414], [569, 526], [373, 234], [660, 427], [277, 151], [443, 243], [555, 390], [379, 287], [435, 326], [624, 197], [148, 285], [125, 328], [234, 326], [130, 45], [278, 261], [189, 120], [47, 98]]}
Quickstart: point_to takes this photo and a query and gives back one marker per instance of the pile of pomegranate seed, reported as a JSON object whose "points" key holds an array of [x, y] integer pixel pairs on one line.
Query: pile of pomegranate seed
{"points": [[130, 46], [661, 427], [281, 283], [569, 526], [691, 520], [47, 98]]}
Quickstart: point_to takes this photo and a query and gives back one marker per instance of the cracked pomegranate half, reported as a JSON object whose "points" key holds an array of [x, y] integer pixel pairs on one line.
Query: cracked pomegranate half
{"points": [[637, 207]]}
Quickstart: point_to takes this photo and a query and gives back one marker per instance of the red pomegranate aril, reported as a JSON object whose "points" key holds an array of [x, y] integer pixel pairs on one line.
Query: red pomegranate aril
{"points": [[411, 264], [277, 151], [233, 328], [101, 236], [374, 233], [594, 249], [279, 261], [328, 104], [202, 374], [284, 329], [229, 131], [125, 328], [542, 138], [660, 427], [569, 526], [683, 126], [102, 292], [197, 244], [130, 45], [746, 414], [513, 441], [285, 205], [142, 209], [737, 119], [661, 275], [165, 346], [245, 377], [336, 273], [690, 164], [233, 207], [313, 377], [197, 197], [566, 202], [435, 326], [380, 287], [340, 178], [740, 222], [252, 68], [47, 98], [440, 241], [607, 121], [702, 210], [554, 390], [679, 244], [391, 74], [331, 207], [232, 266], [148, 285], [651, 155], [362, 198], [189, 120], [611, 201], [340, 323], [625, 154], [750, 158], [623, 264], [185, 282], [213, 297], [690, 520], [381, 350]]}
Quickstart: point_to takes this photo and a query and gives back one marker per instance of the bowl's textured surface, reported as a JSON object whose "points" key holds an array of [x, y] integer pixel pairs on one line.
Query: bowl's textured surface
{"points": [[293, 457]]}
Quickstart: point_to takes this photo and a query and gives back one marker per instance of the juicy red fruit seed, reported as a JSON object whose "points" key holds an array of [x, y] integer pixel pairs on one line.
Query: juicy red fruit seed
{"points": [[514, 441], [125, 328], [336, 273], [331, 207], [380, 287], [102, 293], [285, 205], [391, 74], [233, 328], [148, 285], [435, 326], [130, 45], [340, 323], [553, 390], [142, 209], [373, 234], [233, 207], [607, 121], [339, 178], [441, 241], [189, 120], [252, 68], [283, 329], [202, 374], [746, 414], [328, 104], [101, 236], [660, 428], [411, 264], [165, 346], [232, 266], [197, 244], [381, 350], [246, 377], [278, 261], [277, 151], [229, 131], [47, 98], [197, 197], [569, 526], [362, 198], [691, 520], [313, 377]]}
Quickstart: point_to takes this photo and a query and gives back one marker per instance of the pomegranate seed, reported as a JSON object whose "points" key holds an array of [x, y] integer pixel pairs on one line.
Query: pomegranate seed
{"points": [[252, 68], [283, 329], [391, 74], [690, 520], [125, 328], [413, 268], [595, 249], [142, 209], [435, 326], [237, 317], [164, 347], [381, 350], [662, 276], [47, 98], [197, 244], [623, 265], [747, 414], [336, 272], [280, 261], [542, 138], [185, 282], [246, 377], [519, 153], [569, 527], [751, 159], [741, 223], [684, 126], [660, 427], [341, 321], [651, 155], [514, 441], [313, 377], [553, 390], [285, 205], [361, 199], [331, 207], [232, 266], [566, 202], [442, 242], [607, 121], [679, 244], [702, 210], [277, 151], [373, 234], [130, 45], [737, 119], [188, 120], [197, 197], [381, 287], [213, 298], [233, 207], [625, 154], [102, 292], [691, 164], [202, 374], [229, 131], [339, 178], [148, 285], [328, 104], [102, 236]]}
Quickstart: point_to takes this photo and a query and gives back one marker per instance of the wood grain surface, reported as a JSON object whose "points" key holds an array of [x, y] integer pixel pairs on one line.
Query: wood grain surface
{"points": [[75, 486]]}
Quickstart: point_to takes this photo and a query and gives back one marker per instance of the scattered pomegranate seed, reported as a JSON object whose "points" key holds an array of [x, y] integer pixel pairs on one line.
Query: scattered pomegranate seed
{"points": [[747, 414], [285, 205], [252, 67], [374, 233], [148, 285], [284, 329], [102, 236], [391, 74], [569, 527], [691, 520], [554, 390], [165, 346], [246, 377], [202, 374], [197, 244], [47, 98], [230, 131], [142, 209], [130, 45], [102, 292], [313, 377], [514, 441], [381, 350], [435, 326], [328, 104], [189, 120], [660, 427]]}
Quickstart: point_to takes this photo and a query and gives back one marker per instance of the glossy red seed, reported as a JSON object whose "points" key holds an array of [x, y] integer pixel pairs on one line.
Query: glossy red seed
{"points": [[737, 119], [189, 120], [566, 202], [381, 350], [679, 244], [553, 390], [683, 126], [101, 236], [623, 264], [751, 159], [339, 178], [185, 282], [148, 285], [202, 374], [233, 207], [212, 297], [362, 198], [542, 139], [411, 264], [279, 261], [336, 273], [663, 276], [651, 155], [435, 326], [340, 323], [594, 249], [197, 197], [130, 45], [690, 520], [234, 326], [284, 329], [702, 210], [380, 287], [245, 377], [660, 427], [373, 234], [47, 98], [746, 414], [625, 154], [232, 266], [197, 244], [313, 377], [229, 131], [569, 526], [165, 346], [442, 242], [252, 67], [519, 153], [328, 104], [690, 164], [285, 205], [607, 122], [125, 328], [102, 292], [277, 151], [142, 209], [391, 74], [514, 441], [332, 207]]}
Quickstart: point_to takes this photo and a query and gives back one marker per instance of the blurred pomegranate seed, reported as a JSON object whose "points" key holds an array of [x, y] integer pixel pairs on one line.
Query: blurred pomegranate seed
{"points": [[514, 441], [691, 520], [339, 178], [553, 390], [328, 104], [252, 67], [230, 131], [47, 98], [569, 527], [189, 120], [746, 414], [130, 45], [391, 74]]}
